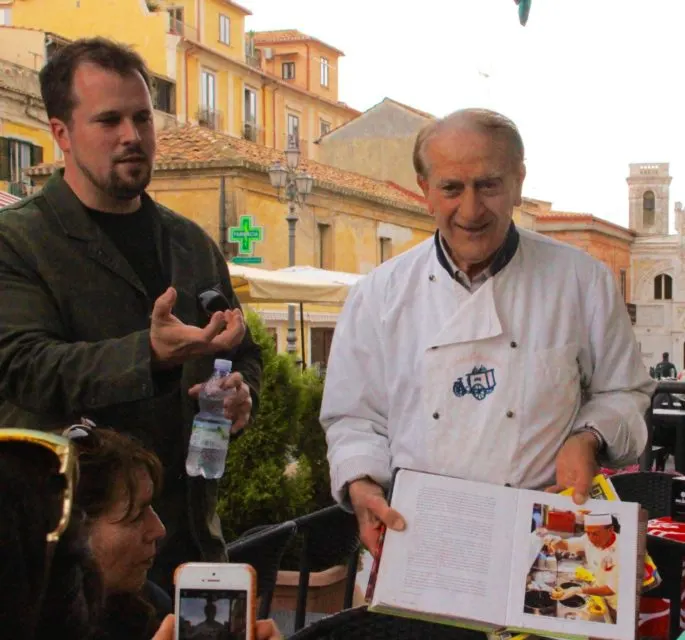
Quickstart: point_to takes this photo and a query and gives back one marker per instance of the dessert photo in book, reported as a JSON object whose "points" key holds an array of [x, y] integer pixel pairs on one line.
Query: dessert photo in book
{"points": [[575, 571]]}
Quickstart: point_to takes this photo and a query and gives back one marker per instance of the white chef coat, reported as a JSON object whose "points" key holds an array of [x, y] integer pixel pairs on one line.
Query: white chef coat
{"points": [[409, 336], [603, 563]]}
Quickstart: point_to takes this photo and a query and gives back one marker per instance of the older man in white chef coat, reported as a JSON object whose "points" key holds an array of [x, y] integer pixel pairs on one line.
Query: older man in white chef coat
{"points": [[486, 352]]}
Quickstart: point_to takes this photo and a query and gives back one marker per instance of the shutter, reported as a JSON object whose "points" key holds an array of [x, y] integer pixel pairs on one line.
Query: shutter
{"points": [[36, 155], [4, 159]]}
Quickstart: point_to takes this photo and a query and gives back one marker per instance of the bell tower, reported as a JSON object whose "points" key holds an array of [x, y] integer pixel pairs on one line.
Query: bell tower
{"points": [[648, 197]]}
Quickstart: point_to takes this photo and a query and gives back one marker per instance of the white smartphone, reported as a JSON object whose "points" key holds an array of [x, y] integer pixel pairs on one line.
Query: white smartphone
{"points": [[215, 601]]}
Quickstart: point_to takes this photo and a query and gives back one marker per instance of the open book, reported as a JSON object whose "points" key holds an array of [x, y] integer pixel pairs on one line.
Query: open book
{"points": [[489, 557]]}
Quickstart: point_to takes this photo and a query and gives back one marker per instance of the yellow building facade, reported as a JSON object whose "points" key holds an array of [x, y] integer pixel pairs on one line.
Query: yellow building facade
{"points": [[206, 69]]}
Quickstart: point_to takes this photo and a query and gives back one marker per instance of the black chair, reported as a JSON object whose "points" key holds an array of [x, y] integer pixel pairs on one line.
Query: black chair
{"points": [[652, 489], [668, 557], [361, 624], [262, 548], [329, 537]]}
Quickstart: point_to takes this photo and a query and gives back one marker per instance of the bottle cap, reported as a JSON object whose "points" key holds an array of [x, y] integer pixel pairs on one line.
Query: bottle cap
{"points": [[223, 365]]}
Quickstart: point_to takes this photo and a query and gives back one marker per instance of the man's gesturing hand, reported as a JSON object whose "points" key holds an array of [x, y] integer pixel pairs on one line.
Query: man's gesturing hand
{"points": [[173, 342], [372, 511]]}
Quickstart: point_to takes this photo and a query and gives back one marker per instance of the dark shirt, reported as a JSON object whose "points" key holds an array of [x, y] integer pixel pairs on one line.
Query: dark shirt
{"points": [[129, 616], [133, 234]]}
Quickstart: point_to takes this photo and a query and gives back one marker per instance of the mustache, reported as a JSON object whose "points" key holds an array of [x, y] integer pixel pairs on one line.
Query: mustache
{"points": [[135, 153]]}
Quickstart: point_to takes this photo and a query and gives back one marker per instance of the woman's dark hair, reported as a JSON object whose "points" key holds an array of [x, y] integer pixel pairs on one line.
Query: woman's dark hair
{"points": [[106, 460], [109, 462], [42, 595], [57, 76]]}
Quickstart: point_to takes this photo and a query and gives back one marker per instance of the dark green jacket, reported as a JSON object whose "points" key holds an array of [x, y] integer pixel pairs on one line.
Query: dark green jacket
{"points": [[74, 338]]}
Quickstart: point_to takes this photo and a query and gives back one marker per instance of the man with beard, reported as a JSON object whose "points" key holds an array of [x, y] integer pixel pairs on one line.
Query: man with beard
{"points": [[100, 288]]}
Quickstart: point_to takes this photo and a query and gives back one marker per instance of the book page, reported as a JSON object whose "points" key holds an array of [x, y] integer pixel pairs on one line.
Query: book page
{"points": [[584, 579], [453, 558]]}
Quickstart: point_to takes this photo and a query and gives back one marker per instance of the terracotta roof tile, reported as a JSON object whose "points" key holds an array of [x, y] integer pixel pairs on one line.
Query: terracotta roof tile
{"points": [[187, 145], [288, 35]]}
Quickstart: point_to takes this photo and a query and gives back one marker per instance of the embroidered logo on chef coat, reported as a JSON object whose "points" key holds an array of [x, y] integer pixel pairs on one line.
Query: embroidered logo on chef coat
{"points": [[479, 383]]}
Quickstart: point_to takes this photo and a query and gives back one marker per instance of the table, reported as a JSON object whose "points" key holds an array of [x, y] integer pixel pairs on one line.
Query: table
{"points": [[654, 611]]}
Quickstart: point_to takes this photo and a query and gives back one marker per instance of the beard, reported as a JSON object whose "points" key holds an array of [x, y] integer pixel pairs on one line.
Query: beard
{"points": [[124, 182]]}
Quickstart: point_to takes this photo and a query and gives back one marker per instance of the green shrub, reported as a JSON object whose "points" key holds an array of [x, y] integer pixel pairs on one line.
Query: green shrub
{"points": [[285, 434]]}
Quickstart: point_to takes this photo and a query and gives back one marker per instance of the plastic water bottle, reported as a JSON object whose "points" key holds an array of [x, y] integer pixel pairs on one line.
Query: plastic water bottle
{"points": [[211, 430]]}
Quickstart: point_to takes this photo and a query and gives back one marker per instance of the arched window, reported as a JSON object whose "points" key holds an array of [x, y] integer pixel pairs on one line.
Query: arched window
{"points": [[663, 287], [648, 209]]}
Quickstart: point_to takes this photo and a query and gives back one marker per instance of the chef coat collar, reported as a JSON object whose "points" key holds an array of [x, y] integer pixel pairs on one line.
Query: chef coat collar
{"points": [[502, 258]]}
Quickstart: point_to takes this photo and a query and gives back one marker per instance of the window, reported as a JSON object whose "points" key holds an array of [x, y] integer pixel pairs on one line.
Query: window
{"points": [[288, 69], [325, 246], [250, 115], [648, 209], [208, 98], [224, 29], [5, 17], [175, 20], [250, 105], [324, 127], [663, 287], [385, 247], [163, 95], [624, 280], [15, 157], [321, 338], [293, 130], [324, 72]]}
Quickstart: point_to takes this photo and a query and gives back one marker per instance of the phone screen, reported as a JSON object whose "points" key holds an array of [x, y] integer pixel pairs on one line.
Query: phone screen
{"points": [[212, 614]]}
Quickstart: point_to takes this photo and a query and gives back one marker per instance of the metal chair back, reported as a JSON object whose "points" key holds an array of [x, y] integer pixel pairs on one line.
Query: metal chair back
{"points": [[329, 537], [263, 548], [652, 489], [361, 624]]}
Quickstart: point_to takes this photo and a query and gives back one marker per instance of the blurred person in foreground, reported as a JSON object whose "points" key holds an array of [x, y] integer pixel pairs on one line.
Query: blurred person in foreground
{"points": [[49, 585], [119, 480], [487, 352], [101, 307]]}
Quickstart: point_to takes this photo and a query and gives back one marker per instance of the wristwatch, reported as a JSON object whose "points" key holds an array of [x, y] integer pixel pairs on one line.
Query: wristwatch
{"points": [[601, 442]]}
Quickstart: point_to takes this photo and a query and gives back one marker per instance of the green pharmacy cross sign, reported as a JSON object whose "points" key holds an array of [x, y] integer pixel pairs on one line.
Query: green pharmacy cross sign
{"points": [[246, 235]]}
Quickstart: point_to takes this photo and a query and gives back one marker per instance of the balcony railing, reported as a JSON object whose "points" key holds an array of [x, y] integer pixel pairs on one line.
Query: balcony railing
{"points": [[253, 59], [253, 133], [178, 28], [210, 118], [301, 144]]}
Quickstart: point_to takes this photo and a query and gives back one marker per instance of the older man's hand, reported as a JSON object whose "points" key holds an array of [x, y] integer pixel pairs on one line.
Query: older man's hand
{"points": [[372, 511], [577, 465]]}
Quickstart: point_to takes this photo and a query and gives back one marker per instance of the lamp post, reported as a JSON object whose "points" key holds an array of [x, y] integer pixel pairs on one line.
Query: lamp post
{"points": [[296, 185]]}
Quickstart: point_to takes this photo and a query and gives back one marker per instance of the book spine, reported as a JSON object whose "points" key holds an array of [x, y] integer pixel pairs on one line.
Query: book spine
{"points": [[373, 575]]}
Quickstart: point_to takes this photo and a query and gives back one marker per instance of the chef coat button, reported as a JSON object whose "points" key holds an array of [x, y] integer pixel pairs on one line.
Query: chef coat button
{"points": [[510, 414], [436, 415], [431, 277], [513, 344]]}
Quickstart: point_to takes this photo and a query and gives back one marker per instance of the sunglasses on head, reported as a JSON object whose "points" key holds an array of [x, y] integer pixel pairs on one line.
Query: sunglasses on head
{"points": [[82, 434], [67, 469]]}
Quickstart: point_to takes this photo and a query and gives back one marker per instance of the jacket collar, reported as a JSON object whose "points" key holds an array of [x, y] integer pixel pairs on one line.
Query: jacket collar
{"points": [[502, 258], [69, 211]]}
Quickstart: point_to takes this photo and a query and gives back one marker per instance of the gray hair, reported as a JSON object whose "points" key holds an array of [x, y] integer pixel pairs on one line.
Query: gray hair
{"points": [[490, 122]]}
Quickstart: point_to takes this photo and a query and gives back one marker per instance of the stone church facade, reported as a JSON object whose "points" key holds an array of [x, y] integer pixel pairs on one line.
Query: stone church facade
{"points": [[657, 265]]}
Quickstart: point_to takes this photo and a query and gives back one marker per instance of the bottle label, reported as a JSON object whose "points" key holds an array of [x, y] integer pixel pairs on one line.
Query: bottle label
{"points": [[207, 431]]}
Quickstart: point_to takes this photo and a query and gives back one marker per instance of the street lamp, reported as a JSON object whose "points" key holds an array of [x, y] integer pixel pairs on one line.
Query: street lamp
{"points": [[297, 185]]}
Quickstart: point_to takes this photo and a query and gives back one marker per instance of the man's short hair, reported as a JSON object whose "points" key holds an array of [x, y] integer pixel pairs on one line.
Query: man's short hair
{"points": [[490, 122], [57, 76], [664, 355]]}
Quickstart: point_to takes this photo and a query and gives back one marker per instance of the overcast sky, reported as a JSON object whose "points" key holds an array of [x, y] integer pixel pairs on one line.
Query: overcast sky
{"points": [[592, 84]]}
